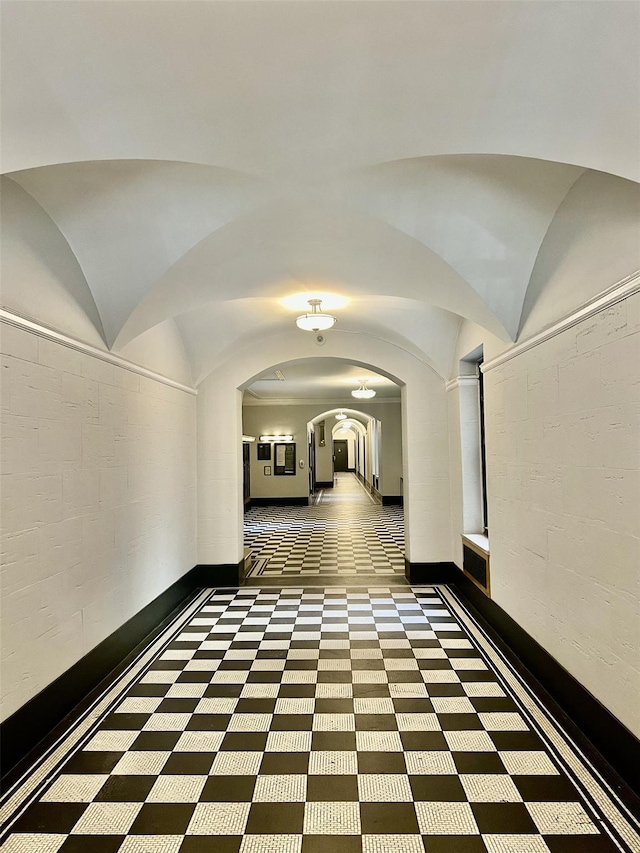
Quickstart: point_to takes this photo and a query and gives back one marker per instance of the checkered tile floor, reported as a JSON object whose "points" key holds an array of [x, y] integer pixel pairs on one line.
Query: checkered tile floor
{"points": [[344, 533], [292, 721]]}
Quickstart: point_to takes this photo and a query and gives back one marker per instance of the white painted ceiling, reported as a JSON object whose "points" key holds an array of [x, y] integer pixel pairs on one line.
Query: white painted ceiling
{"points": [[203, 160], [333, 379]]}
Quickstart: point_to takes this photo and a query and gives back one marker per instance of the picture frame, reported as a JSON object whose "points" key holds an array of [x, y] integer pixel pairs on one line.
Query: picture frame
{"points": [[285, 459], [264, 452], [267, 470]]}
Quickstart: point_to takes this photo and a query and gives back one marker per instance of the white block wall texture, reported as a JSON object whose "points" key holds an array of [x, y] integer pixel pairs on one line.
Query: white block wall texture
{"points": [[563, 445], [98, 503]]}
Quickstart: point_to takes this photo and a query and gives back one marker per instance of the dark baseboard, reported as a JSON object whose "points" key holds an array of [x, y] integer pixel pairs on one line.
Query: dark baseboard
{"points": [[218, 574], [392, 500], [324, 484], [351, 470], [24, 729], [280, 501], [419, 573], [247, 504], [615, 743]]}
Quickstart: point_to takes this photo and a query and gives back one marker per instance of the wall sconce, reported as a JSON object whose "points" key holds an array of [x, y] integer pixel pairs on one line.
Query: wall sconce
{"points": [[278, 438]]}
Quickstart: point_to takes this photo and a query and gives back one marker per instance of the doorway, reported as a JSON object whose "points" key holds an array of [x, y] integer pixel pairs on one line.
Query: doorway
{"points": [[340, 456]]}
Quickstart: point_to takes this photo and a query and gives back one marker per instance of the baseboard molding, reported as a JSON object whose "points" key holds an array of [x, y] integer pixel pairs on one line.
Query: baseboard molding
{"points": [[392, 500], [24, 729], [324, 484], [280, 501], [218, 574], [421, 573], [617, 745]]}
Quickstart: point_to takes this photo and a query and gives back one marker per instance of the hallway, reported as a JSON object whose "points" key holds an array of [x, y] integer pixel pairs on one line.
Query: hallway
{"points": [[293, 721], [382, 252], [344, 532]]}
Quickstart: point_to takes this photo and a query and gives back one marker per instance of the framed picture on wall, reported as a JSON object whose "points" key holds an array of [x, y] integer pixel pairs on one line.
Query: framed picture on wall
{"points": [[264, 452], [267, 470], [285, 459]]}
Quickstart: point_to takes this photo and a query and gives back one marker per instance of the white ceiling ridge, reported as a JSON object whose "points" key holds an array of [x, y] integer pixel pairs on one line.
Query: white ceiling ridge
{"points": [[337, 402], [623, 289], [34, 328], [425, 363], [272, 223], [353, 414], [100, 327], [173, 161]]}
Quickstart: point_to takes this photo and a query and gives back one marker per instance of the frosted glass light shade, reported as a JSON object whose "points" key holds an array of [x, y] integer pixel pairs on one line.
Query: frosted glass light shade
{"points": [[341, 416], [316, 321], [363, 393]]}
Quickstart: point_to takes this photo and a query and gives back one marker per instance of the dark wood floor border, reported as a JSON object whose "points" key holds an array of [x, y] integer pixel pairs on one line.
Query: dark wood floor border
{"points": [[392, 500], [24, 729], [297, 501], [425, 573], [218, 574], [581, 710]]}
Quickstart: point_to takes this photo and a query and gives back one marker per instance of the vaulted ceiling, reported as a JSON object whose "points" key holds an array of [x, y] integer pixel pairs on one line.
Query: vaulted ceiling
{"points": [[200, 161]]}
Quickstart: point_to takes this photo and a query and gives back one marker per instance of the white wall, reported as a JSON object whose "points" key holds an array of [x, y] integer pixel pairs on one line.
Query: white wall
{"points": [[563, 428], [277, 420], [563, 455], [98, 503], [161, 349]]}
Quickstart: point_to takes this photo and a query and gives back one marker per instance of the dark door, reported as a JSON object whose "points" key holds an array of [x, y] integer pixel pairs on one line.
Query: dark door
{"points": [[340, 456], [312, 466], [246, 472]]}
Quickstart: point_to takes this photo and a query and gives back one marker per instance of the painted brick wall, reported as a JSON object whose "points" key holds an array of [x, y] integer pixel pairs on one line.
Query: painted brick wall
{"points": [[98, 503], [563, 444]]}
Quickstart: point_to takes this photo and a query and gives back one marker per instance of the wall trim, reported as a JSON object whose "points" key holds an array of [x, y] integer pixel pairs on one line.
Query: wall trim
{"points": [[617, 293], [12, 319], [27, 726], [459, 381], [218, 574], [427, 573], [324, 484], [617, 745]]}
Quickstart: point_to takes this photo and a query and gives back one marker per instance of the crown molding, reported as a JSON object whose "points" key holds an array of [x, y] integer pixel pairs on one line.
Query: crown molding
{"points": [[12, 319], [617, 293]]}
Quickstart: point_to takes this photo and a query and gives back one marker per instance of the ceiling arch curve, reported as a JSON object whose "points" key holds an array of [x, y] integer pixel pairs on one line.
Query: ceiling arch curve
{"points": [[353, 414], [267, 250], [311, 89]]}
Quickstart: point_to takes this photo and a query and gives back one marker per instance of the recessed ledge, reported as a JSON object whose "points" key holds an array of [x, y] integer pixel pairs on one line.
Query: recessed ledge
{"points": [[477, 541]]}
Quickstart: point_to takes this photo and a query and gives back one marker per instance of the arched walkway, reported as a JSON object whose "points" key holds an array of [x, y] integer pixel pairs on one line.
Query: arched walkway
{"points": [[344, 532]]}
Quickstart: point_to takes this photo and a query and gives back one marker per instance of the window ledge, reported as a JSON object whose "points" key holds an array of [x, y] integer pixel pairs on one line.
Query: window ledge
{"points": [[477, 540]]}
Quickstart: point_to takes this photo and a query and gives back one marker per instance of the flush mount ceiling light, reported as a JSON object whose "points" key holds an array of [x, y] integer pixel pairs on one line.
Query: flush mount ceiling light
{"points": [[340, 416], [363, 393], [316, 321]]}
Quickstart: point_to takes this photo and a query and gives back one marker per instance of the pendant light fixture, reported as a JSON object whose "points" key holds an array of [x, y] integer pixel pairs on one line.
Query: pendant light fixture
{"points": [[363, 393], [316, 321], [341, 416]]}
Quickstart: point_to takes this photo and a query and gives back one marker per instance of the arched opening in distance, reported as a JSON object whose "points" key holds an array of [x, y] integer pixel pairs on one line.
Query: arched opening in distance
{"points": [[322, 471]]}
